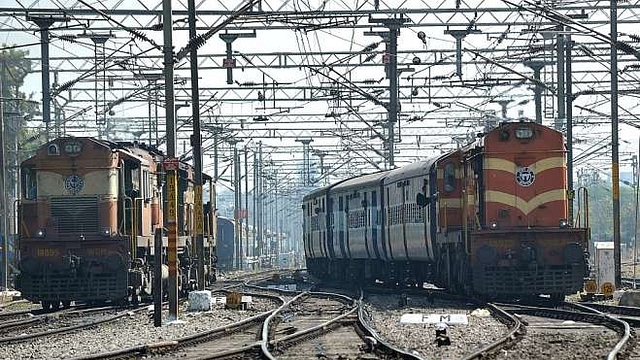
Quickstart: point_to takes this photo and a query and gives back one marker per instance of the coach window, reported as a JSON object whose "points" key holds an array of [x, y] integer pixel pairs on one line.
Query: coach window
{"points": [[449, 177]]}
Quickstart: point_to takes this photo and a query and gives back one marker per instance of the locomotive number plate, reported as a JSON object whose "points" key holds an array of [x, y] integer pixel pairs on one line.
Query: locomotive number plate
{"points": [[98, 252], [45, 252]]}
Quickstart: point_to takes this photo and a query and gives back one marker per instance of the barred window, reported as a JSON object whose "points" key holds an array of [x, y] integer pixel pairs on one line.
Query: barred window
{"points": [[315, 223], [356, 219]]}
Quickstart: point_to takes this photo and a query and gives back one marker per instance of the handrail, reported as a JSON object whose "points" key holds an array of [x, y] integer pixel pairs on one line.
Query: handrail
{"points": [[582, 214]]}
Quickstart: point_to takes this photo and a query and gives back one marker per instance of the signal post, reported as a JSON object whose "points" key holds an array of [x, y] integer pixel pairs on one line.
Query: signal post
{"points": [[171, 166], [171, 163]]}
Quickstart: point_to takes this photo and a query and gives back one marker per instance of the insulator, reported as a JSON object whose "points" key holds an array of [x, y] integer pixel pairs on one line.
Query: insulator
{"points": [[626, 48], [370, 47], [68, 38], [66, 86], [369, 57], [138, 35], [634, 37]]}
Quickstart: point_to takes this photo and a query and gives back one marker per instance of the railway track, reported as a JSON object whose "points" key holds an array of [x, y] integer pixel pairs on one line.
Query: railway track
{"points": [[572, 331], [65, 321], [276, 333], [489, 329], [237, 337], [317, 325]]}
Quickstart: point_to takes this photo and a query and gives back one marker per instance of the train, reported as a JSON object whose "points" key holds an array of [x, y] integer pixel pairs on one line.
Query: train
{"points": [[87, 215], [487, 219], [226, 250], [226, 239]]}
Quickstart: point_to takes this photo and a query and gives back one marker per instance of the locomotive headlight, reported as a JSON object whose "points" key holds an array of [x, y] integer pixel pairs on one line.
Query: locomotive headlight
{"points": [[41, 233], [493, 225], [106, 232], [524, 133], [563, 224]]}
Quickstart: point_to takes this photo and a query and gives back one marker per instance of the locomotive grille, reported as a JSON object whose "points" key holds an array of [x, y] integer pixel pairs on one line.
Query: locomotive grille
{"points": [[75, 214]]}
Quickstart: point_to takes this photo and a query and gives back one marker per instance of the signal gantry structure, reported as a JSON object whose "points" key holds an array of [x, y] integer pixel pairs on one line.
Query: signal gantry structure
{"points": [[328, 89]]}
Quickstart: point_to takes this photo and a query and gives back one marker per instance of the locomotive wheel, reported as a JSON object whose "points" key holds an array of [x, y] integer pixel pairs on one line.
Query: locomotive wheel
{"points": [[46, 305], [557, 298], [55, 305], [66, 304]]}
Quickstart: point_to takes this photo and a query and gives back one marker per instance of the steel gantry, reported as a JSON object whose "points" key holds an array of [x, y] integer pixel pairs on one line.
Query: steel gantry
{"points": [[432, 76]]}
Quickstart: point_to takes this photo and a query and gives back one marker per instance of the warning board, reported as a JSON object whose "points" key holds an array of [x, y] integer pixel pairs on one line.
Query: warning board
{"points": [[229, 63], [590, 286], [608, 289], [171, 164]]}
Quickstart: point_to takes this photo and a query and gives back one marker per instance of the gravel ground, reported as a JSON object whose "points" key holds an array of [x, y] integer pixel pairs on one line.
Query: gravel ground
{"points": [[420, 338], [578, 344], [136, 329]]}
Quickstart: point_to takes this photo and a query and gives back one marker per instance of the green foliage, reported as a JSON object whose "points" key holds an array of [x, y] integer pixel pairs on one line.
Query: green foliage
{"points": [[17, 67], [19, 108], [601, 212]]}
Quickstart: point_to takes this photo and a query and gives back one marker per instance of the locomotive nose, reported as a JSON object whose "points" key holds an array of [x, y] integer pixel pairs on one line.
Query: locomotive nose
{"points": [[573, 253], [528, 254], [487, 255]]}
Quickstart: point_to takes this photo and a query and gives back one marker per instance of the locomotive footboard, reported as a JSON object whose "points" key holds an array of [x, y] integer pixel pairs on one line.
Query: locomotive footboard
{"points": [[529, 261], [67, 286], [523, 280], [72, 271]]}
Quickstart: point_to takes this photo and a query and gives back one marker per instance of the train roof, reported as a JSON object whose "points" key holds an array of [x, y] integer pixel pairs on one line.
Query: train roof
{"points": [[415, 169], [316, 192], [479, 142], [224, 218], [135, 151], [360, 181], [56, 147]]}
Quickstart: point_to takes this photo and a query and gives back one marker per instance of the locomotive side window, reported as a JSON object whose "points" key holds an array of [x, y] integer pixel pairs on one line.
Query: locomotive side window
{"points": [[132, 179], [29, 183], [449, 177], [146, 184]]}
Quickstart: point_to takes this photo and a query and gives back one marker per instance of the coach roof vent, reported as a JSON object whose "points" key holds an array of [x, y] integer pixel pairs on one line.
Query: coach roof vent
{"points": [[53, 149]]}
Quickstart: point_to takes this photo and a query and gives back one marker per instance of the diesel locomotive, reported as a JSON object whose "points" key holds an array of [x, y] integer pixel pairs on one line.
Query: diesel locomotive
{"points": [[490, 218], [88, 212]]}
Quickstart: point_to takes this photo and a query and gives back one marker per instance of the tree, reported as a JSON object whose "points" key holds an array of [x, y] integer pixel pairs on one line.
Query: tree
{"points": [[601, 222], [17, 108]]}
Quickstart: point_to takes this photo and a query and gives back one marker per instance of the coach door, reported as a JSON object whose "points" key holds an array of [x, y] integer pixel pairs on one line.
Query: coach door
{"points": [[373, 223], [425, 202], [342, 225], [330, 219]]}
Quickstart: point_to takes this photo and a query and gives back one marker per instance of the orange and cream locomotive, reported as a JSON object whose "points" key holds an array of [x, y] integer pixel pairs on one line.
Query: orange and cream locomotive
{"points": [[490, 218], [88, 213]]}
